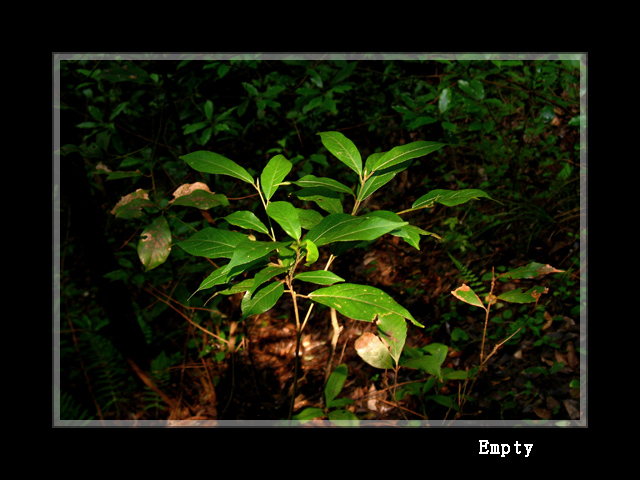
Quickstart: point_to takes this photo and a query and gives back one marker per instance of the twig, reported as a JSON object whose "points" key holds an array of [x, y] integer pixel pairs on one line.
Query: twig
{"points": [[149, 383], [186, 317], [486, 319], [334, 342], [462, 398]]}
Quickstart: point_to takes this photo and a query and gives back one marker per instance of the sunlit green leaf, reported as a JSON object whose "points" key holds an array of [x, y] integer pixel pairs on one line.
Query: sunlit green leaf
{"points": [[248, 220], [309, 181], [309, 413], [343, 417], [380, 178], [403, 153], [243, 286], [274, 173], [335, 383], [341, 227], [320, 277], [312, 252], [430, 363], [410, 233], [309, 218], [246, 251], [393, 330], [448, 198], [261, 300], [220, 276], [360, 302], [210, 162], [287, 217], [344, 150], [325, 198], [212, 243], [223, 275], [266, 274]]}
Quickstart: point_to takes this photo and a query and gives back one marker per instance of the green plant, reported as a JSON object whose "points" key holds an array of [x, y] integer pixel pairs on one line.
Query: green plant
{"points": [[468, 276], [263, 270], [333, 406], [516, 296], [430, 358]]}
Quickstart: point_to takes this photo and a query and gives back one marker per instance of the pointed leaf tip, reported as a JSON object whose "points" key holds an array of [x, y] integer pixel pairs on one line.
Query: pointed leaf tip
{"points": [[210, 162], [343, 149], [273, 174], [467, 295]]}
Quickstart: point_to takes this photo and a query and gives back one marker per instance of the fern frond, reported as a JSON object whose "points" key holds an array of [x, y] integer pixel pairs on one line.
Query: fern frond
{"points": [[71, 411], [468, 276], [161, 376], [107, 369]]}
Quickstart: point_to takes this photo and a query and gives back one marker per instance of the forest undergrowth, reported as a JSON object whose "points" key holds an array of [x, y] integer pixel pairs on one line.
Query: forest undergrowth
{"points": [[511, 128]]}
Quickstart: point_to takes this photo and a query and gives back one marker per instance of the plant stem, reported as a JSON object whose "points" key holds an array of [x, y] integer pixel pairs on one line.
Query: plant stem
{"points": [[462, 398], [486, 318], [295, 375], [264, 204], [298, 335], [334, 343], [300, 328]]}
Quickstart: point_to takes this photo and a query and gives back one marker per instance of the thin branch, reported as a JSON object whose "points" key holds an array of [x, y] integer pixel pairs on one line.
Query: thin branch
{"points": [[185, 316]]}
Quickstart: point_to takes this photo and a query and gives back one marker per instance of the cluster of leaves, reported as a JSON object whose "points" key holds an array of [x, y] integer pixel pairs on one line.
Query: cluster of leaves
{"points": [[510, 121], [338, 231]]}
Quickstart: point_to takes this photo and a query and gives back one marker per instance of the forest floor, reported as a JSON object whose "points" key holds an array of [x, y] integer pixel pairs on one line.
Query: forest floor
{"points": [[257, 383]]}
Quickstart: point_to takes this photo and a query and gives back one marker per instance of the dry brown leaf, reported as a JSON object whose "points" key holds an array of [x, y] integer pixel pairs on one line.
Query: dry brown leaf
{"points": [[128, 198], [189, 188], [552, 404], [376, 400], [560, 358], [366, 340], [548, 362], [372, 403], [537, 295], [572, 358], [573, 409], [542, 413], [103, 168]]}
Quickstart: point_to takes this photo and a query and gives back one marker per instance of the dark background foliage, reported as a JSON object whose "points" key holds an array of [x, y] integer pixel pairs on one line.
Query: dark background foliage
{"points": [[130, 346]]}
